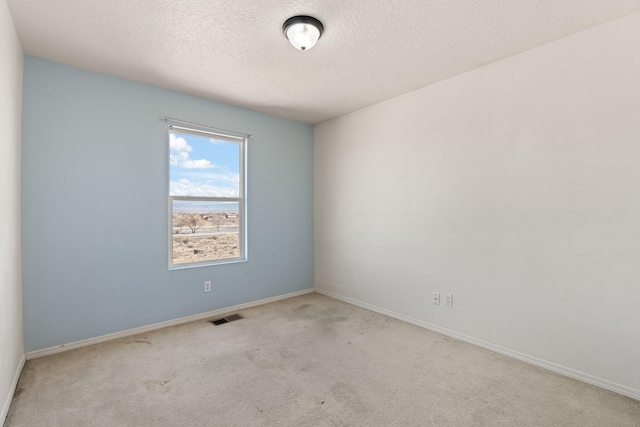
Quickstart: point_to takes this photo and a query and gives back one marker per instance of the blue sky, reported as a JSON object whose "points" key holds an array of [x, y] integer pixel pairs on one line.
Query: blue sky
{"points": [[203, 167]]}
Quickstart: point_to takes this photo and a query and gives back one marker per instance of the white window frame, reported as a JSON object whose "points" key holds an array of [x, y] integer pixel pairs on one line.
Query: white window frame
{"points": [[224, 135]]}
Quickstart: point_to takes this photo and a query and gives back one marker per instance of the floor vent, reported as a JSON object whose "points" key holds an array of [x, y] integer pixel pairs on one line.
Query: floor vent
{"points": [[227, 319]]}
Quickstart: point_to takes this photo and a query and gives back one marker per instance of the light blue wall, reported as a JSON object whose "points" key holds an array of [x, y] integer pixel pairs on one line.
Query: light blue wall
{"points": [[94, 197]]}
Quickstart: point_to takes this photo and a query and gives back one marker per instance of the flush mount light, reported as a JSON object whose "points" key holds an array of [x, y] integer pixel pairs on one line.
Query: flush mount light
{"points": [[303, 31]]}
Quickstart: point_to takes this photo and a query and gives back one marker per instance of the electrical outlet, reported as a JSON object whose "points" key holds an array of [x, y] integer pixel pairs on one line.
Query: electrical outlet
{"points": [[435, 298], [207, 286], [448, 300]]}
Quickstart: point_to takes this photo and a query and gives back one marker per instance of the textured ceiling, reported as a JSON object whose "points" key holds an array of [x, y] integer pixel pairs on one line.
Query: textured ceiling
{"points": [[234, 51]]}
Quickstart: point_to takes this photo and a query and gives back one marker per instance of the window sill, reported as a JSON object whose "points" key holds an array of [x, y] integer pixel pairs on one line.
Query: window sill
{"points": [[207, 264]]}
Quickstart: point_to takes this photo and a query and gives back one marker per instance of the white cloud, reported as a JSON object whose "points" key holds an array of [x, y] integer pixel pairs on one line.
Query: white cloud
{"points": [[178, 158], [197, 164], [178, 143], [184, 187], [226, 177], [179, 155]]}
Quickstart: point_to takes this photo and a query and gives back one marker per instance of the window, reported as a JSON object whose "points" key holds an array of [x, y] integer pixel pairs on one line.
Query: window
{"points": [[206, 196]]}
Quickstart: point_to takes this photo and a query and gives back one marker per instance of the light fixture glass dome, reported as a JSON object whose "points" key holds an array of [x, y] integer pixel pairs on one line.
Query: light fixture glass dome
{"points": [[303, 31]]}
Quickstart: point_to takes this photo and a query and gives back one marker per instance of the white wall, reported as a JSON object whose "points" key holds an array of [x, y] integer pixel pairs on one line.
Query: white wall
{"points": [[11, 344], [516, 187]]}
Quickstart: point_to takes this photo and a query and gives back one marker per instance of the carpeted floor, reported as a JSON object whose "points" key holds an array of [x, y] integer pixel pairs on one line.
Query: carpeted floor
{"points": [[306, 361]]}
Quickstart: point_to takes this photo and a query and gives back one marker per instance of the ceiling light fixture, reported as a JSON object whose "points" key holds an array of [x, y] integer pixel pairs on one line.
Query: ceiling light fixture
{"points": [[303, 31]]}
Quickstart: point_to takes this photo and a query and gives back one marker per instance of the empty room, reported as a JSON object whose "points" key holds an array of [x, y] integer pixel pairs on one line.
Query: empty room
{"points": [[305, 213]]}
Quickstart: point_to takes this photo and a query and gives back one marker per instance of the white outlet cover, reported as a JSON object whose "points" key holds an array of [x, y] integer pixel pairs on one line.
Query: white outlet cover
{"points": [[448, 299]]}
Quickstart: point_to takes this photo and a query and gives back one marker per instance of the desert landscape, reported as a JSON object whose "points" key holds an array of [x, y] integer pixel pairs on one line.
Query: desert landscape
{"points": [[205, 237]]}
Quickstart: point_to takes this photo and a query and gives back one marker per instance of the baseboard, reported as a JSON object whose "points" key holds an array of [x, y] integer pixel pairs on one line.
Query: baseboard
{"points": [[563, 370], [215, 313], [7, 402]]}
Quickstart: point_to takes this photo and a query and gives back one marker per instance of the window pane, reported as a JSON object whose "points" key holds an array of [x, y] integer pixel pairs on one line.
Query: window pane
{"points": [[205, 231], [203, 167]]}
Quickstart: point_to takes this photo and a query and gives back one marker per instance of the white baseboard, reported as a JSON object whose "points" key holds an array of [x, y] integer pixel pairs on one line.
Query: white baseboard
{"points": [[563, 370], [7, 402], [215, 313]]}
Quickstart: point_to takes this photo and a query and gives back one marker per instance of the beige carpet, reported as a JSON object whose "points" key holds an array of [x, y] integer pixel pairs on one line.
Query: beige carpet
{"points": [[306, 361]]}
